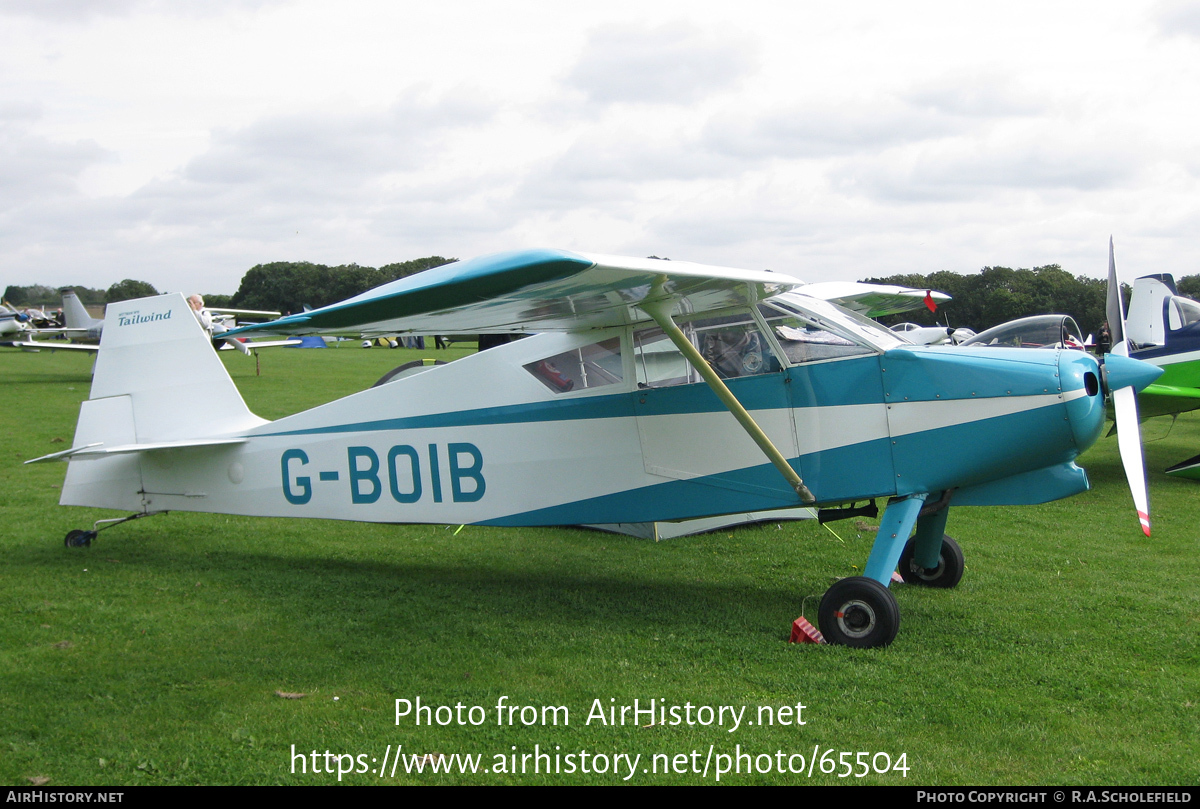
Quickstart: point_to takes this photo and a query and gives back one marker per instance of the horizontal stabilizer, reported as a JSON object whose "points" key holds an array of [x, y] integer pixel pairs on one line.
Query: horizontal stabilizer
{"points": [[34, 344], [98, 450]]}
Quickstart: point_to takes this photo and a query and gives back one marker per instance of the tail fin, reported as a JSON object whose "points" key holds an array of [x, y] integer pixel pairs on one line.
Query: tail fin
{"points": [[157, 381], [157, 353], [75, 316]]}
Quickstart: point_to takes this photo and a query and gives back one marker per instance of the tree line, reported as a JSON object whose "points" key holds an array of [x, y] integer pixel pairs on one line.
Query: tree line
{"points": [[996, 295], [40, 295], [289, 286], [981, 300], [283, 286]]}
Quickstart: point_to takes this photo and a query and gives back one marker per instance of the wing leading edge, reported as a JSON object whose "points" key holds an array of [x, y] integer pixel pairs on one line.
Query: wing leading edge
{"points": [[531, 291]]}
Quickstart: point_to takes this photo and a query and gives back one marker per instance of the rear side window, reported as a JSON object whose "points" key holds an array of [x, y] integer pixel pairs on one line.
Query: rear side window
{"points": [[591, 366]]}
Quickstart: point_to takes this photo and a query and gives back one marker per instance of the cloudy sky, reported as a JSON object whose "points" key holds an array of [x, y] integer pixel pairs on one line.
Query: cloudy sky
{"points": [[183, 141]]}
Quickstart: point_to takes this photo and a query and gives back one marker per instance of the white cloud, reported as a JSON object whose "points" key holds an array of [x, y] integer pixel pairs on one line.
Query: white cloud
{"points": [[79, 12], [33, 167], [1179, 18], [676, 63], [962, 168], [817, 129], [183, 143]]}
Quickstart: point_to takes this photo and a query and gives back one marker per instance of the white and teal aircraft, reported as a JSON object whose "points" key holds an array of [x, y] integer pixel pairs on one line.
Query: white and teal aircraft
{"points": [[652, 390]]}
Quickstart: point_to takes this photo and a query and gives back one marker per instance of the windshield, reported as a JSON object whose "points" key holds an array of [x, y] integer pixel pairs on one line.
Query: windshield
{"points": [[827, 316]]}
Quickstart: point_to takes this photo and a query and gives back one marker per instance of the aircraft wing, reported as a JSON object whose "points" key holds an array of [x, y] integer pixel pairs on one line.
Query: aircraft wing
{"points": [[34, 344], [530, 291], [251, 312], [873, 300], [1165, 400]]}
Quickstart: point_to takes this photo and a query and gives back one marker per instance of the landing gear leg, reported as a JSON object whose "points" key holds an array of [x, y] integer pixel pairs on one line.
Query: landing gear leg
{"points": [[83, 539], [860, 611]]}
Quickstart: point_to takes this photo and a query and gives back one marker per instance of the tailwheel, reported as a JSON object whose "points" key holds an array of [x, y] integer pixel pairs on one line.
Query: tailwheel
{"points": [[79, 538], [949, 568], [859, 612]]}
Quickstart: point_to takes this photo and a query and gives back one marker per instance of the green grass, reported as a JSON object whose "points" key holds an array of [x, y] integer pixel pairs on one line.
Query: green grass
{"points": [[1069, 653]]}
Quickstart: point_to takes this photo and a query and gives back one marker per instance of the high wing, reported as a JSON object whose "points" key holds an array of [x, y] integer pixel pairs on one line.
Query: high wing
{"points": [[873, 300], [531, 291], [218, 310]]}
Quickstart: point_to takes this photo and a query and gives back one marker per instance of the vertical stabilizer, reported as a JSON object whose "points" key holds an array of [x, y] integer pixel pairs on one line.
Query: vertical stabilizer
{"points": [[1146, 322], [75, 315], [156, 352], [157, 379]]}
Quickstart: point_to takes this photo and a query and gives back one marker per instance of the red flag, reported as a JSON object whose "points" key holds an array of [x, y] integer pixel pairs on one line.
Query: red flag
{"points": [[929, 304]]}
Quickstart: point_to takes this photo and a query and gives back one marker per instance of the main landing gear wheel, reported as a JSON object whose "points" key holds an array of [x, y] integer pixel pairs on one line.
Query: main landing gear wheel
{"points": [[79, 538], [949, 568], [859, 612]]}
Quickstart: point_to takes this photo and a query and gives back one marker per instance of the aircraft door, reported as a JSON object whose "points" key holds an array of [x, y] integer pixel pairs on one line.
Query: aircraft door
{"points": [[686, 432]]}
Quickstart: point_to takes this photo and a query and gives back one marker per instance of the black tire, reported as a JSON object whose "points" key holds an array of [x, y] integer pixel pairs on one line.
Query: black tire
{"points": [[948, 572], [79, 538], [403, 371], [859, 612]]}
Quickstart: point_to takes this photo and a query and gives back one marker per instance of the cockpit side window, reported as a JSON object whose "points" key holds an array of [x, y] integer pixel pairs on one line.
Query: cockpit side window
{"points": [[591, 366], [1183, 312], [733, 346]]}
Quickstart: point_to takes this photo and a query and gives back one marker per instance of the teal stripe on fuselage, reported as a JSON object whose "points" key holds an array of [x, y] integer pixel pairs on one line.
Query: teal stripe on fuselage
{"points": [[854, 381], [933, 460], [592, 407], [979, 451]]}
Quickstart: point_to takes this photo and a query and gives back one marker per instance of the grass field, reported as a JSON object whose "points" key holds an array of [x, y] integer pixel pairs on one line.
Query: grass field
{"points": [[1069, 654]]}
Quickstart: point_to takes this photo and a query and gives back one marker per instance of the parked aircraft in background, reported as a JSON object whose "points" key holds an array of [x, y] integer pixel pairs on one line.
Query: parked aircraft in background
{"points": [[12, 323], [1039, 331], [654, 390], [932, 335], [1163, 328], [85, 331]]}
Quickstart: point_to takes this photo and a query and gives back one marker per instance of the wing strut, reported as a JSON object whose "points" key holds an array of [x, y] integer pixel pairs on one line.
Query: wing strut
{"points": [[659, 308]]}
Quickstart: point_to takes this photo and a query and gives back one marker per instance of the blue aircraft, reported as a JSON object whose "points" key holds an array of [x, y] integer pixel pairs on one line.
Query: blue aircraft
{"points": [[651, 390]]}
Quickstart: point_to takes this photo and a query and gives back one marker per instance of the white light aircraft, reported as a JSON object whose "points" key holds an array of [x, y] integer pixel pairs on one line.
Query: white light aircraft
{"points": [[654, 390], [86, 331]]}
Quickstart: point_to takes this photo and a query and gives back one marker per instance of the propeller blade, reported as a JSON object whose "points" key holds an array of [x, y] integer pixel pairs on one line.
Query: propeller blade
{"points": [[1125, 377], [1114, 306], [1129, 441]]}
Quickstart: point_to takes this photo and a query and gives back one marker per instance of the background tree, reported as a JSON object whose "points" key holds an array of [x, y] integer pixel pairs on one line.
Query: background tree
{"points": [[404, 268], [128, 289], [999, 294], [216, 301], [1189, 286], [43, 296], [287, 286]]}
